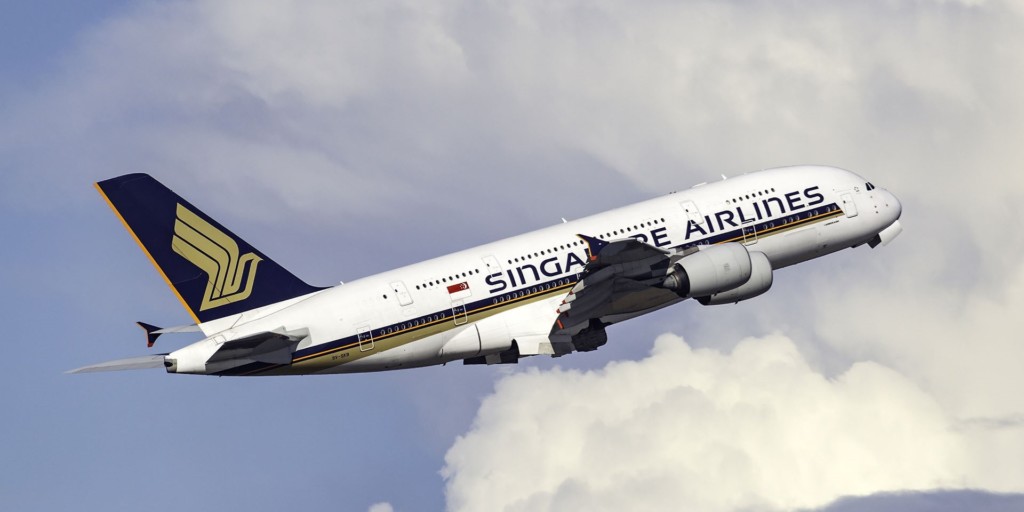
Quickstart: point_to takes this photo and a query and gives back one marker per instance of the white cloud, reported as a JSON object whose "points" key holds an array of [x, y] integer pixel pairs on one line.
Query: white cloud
{"points": [[964, 346], [381, 507], [961, 344], [687, 429], [325, 106]]}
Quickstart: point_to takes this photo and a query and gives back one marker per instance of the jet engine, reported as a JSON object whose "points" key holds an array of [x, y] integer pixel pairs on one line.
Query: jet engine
{"points": [[760, 281], [710, 271]]}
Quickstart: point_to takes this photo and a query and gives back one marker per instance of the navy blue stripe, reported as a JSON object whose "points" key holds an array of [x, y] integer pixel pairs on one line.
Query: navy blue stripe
{"points": [[526, 292], [769, 227]]}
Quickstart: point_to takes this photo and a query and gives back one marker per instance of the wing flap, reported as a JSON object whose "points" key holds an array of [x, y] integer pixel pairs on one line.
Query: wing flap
{"points": [[621, 276]]}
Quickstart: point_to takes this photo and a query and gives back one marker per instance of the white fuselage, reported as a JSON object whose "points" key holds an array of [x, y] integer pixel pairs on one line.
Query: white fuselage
{"points": [[511, 289]]}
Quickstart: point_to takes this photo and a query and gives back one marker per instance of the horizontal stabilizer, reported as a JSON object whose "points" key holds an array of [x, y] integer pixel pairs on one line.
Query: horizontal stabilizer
{"points": [[153, 332], [179, 328], [132, 363]]}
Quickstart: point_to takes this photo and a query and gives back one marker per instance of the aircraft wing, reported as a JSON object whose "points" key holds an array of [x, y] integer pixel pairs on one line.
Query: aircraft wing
{"points": [[621, 276]]}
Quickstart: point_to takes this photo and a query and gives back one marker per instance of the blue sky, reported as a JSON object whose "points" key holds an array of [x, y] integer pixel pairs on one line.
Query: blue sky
{"points": [[36, 35], [347, 139]]}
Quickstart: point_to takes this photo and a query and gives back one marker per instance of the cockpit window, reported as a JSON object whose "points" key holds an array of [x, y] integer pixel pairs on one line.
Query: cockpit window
{"points": [[870, 186]]}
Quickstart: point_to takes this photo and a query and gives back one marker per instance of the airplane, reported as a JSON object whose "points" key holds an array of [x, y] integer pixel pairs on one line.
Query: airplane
{"points": [[552, 292]]}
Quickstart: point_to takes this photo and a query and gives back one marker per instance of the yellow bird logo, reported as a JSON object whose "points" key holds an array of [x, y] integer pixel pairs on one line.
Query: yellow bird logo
{"points": [[215, 253]]}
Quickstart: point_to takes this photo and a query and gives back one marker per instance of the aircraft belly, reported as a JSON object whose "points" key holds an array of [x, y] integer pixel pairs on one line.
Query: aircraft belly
{"points": [[421, 352], [420, 346], [792, 247]]}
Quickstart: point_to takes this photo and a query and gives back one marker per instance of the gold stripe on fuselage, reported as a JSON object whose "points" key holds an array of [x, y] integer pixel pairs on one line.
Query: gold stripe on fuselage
{"points": [[351, 352]]}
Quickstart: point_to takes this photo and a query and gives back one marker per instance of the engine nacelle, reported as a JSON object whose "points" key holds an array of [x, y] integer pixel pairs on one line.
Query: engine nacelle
{"points": [[760, 281], [710, 271]]}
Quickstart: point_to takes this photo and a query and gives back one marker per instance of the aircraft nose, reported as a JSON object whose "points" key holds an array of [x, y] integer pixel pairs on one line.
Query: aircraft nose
{"points": [[892, 204], [895, 205], [889, 209]]}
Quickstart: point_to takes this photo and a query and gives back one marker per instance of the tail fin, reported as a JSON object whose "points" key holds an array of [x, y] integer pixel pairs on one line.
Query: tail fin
{"points": [[213, 272]]}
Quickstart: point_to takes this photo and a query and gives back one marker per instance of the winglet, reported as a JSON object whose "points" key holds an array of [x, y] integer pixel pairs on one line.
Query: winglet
{"points": [[151, 333], [594, 245]]}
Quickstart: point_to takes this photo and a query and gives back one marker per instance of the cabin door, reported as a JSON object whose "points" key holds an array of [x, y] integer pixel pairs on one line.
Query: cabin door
{"points": [[849, 206]]}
